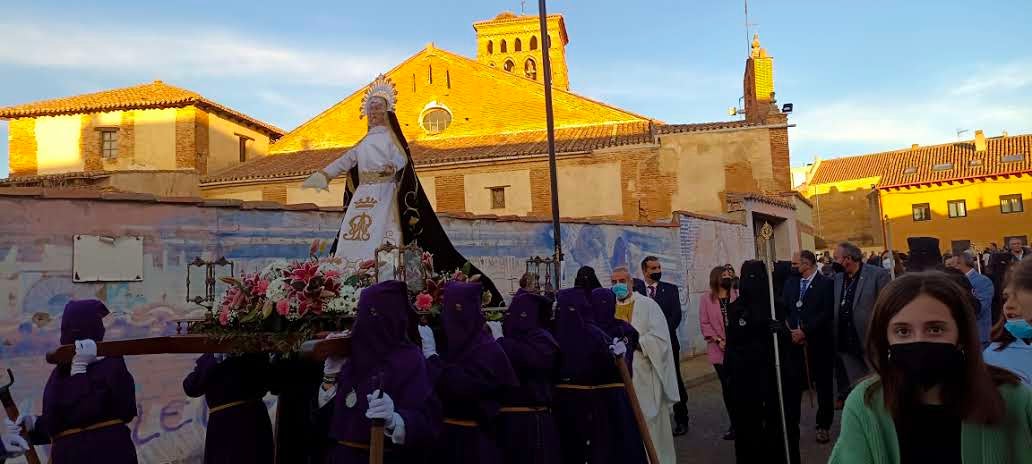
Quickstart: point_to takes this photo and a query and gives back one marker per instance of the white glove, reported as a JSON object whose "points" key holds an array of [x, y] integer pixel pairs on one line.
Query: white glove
{"points": [[26, 421], [333, 364], [496, 329], [317, 181], [85, 354], [618, 348], [219, 357], [429, 344], [11, 426], [381, 407], [14, 444]]}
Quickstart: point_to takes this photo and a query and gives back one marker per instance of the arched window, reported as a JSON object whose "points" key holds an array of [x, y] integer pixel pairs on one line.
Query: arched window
{"points": [[504, 48], [518, 46], [533, 42], [490, 47], [530, 69], [508, 66], [435, 120]]}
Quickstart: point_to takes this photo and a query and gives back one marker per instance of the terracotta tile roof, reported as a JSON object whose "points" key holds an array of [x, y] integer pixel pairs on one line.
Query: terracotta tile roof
{"points": [[850, 167], [957, 161], [705, 126], [156, 94], [30, 180], [775, 200], [447, 150]]}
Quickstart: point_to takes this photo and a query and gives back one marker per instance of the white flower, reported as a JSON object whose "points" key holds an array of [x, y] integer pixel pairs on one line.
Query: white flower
{"points": [[329, 266], [278, 290], [275, 269]]}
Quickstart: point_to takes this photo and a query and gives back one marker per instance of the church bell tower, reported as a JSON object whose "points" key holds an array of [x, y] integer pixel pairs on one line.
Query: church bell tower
{"points": [[758, 84], [513, 43]]}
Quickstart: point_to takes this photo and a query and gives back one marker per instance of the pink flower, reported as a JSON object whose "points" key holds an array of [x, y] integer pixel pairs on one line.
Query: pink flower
{"points": [[283, 307], [459, 276], [424, 301], [331, 274], [224, 316], [367, 264], [314, 249], [305, 272], [260, 287]]}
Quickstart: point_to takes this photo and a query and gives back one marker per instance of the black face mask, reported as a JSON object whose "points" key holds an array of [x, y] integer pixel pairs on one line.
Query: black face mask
{"points": [[726, 283], [656, 276], [926, 364]]}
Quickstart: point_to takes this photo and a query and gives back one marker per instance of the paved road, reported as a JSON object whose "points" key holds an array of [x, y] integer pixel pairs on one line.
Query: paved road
{"points": [[703, 443]]}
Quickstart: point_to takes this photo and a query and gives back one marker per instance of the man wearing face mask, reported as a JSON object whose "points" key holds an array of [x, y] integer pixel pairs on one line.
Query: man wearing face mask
{"points": [[856, 289], [669, 299], [654, 369]]}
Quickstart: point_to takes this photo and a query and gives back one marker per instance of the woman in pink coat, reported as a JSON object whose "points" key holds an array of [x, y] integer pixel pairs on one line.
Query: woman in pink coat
{"points": [[713, 322]]}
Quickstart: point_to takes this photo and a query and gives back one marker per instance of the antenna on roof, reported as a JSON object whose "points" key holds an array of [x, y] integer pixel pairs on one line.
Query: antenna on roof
{"points": [[961, 132], [523, 7], [748, 36]]}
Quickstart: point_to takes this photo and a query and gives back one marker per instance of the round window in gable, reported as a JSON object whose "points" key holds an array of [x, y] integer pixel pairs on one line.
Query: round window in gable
{"points": [[435, 120]]}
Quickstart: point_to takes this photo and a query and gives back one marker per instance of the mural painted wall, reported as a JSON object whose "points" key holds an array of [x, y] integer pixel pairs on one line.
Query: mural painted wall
{"points": [[36, 253]]}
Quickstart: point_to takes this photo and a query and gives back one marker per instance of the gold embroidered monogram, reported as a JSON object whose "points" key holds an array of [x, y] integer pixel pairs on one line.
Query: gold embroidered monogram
{"points": [[359, 228]]}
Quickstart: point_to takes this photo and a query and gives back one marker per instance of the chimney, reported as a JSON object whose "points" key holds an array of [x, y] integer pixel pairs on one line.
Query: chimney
{"points": [[979, 141], [914, 146]]}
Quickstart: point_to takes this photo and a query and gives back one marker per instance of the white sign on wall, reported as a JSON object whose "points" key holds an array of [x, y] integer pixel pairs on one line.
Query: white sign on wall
{"points": [[97, 258]]}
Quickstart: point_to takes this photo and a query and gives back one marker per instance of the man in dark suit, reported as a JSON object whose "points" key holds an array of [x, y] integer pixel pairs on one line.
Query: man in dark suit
{"points": [[856, 290], [669, 299], [810, 298]]}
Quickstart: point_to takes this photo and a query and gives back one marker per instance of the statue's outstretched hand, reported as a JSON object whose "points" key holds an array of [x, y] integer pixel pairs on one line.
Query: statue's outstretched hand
{"points": [[318, 181]]}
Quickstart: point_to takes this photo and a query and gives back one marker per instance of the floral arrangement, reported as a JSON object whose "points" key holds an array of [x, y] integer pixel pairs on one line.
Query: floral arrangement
{"points": [[301, 298]]}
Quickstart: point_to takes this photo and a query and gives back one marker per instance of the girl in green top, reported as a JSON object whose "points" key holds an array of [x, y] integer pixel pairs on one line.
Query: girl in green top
{"points": [[932, 399]]}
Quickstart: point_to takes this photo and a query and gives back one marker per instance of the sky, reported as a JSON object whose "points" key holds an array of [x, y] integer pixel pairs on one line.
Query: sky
{"points": [[862, 76]]}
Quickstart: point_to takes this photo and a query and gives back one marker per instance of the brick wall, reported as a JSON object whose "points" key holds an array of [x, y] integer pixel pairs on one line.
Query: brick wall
{"points": [[277, 193], [89, 144], [186, 138], [127, 137], [201, 141], [451, 193], [845, 216], [779, 154], [22, 147]]}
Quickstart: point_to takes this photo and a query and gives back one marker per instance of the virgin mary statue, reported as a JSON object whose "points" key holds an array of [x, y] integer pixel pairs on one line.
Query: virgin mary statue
{"points": [[388, 205]]}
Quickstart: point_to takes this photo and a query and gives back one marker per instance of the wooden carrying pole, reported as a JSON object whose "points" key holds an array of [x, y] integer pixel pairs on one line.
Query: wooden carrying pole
{"points": [[643, 428], [12, 412], [376, 439]]}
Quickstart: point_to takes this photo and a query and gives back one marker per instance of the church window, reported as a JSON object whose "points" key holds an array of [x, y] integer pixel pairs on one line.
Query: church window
{"points": [[533, 42], [508, 66], [503, 47], [497, 197], [109, 143], [436, 120], [517, 46], [447, 78], [430, 74], [490, 47], [530, 69]]}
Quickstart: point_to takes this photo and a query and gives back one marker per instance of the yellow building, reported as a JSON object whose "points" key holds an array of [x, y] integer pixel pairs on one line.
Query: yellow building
{"points": [[969, 193], [154, 127]]}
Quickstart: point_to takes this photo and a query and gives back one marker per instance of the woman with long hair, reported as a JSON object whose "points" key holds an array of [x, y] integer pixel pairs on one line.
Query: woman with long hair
{"points": [[713, 323], [1012, 335], [932, 398], [756, 412]]}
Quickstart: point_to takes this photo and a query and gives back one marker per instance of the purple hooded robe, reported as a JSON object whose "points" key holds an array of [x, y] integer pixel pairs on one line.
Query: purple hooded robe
{"points": [[529, 436], [470, 377], [596, 423], [239, 433], [105, 393], [383, 358]]}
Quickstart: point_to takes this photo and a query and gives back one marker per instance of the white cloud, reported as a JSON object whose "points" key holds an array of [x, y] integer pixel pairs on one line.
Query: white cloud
{"points": [[175, 51], [989, 79], [992, 102]]}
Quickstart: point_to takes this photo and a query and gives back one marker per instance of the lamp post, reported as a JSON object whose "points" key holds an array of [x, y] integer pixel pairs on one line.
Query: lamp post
{"points": [[550, 125]]}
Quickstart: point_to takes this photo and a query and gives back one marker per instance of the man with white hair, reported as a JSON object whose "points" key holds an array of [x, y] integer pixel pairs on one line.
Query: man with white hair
{"points": [[655, 378], [983, 288]]}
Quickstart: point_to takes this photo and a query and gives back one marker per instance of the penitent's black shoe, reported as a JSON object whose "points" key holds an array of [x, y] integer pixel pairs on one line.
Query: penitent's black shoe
{"points": [[680, 429]]}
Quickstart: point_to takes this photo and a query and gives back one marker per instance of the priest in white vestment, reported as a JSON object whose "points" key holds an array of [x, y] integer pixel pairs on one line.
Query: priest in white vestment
{"points": [[655, 380]]}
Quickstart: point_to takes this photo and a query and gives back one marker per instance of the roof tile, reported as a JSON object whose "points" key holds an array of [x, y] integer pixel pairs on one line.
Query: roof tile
{"points": [[156, 94], [954, 161]]}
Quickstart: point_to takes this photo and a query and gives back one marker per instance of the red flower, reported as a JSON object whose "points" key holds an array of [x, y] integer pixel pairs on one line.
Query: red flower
{"points": [[260, 287], [304, 272], [367, 264], [224, 316], [424, 301], [283, 307], [459, 276]]}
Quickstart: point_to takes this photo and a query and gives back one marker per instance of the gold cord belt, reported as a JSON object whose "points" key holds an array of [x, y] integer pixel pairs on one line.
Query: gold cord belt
{"points": [[460, 422], [98, 425], [523, 409], [570, 386], [225, 406]]}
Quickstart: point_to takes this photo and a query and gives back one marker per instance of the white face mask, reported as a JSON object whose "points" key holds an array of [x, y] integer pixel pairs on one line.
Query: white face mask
{"points": [[887, 263]]}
